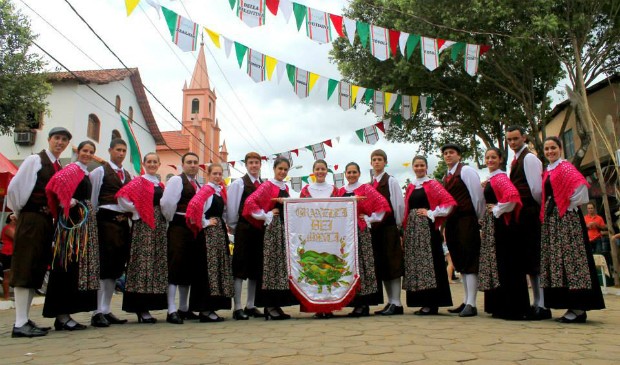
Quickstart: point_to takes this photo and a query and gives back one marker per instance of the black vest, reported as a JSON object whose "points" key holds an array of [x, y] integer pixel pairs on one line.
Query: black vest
{"points": [[519, 179], [38, 199], [384, 189], [457, 188], [248, 189], [187, 194], [111, 185]]}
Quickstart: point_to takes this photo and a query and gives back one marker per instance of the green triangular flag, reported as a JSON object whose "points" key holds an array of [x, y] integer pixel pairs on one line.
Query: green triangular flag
{"points": [[240, 49], [412, 42], [134, 150], [309, 147], [232, 3], [300, 13], [396, 106], [330, 170], [360, 134], [305, 179], [290, 71], [171, 20], [368, 94], [456, 50], [331, 86], [398, 120], [363, 30], [429, 102]]}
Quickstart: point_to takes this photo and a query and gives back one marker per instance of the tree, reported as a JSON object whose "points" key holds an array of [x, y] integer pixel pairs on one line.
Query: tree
{"points": [[511, 87], [23, 88]]}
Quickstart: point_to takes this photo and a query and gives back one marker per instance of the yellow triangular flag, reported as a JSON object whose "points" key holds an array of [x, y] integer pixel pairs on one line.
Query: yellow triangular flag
{"points": [[354, 90], [131, 5], [215, 37], [414, 104], [313, 79], [271, 63], [386, 102], [227, 181], [406, 164]]}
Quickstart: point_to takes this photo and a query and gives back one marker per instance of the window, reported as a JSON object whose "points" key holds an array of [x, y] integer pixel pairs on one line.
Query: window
{"points": [[209, 108], [34, 120], [117, 106], [195, 106], [130, 114], [115, 134], [569, 144], [94, 125]]}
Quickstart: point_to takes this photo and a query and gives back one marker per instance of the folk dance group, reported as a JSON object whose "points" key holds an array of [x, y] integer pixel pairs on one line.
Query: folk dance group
{"points": [[498, 232]]}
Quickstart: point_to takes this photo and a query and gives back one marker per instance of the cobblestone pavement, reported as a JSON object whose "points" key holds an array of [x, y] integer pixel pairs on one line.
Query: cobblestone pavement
{"points": [[443, 339]]}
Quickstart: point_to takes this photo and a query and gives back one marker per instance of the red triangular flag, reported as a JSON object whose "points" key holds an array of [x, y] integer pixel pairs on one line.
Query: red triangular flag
{"points": [[440, 43], [174, 167], [328, 142], [337, 21], [335, 167], [263, 158], [295, 151], [394, 37], [272, 5], [484, 48], [232, 163], [202, 166], [380, 126]]}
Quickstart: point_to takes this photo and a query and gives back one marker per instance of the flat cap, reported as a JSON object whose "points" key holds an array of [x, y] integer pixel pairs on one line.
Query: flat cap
{"points": [[452, 146], [60, 130]]}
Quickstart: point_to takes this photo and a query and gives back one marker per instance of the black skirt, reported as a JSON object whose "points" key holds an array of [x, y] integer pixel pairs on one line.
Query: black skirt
{"points": [[32, 249], [63, 296], [114, 240]]}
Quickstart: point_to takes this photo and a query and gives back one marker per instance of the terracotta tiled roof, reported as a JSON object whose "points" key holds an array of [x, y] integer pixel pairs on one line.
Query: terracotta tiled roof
{"points": [[113, 75], [175, 140]]}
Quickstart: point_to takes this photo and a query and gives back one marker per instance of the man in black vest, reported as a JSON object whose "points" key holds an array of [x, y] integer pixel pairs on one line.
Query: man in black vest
{"points": [[179, 191], [248, 252], [35, 230], [462, 229], [113, 227], [526, 175]]}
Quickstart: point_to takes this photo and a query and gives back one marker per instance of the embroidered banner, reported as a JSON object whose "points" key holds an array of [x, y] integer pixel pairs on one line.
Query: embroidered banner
{"points": [[321, 243]]}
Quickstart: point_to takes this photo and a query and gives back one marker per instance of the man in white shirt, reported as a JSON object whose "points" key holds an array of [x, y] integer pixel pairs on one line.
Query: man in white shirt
{"points": [[113, 228], [247, 257], [462, 229], [179, 191], [35, 229], [526, 175]]}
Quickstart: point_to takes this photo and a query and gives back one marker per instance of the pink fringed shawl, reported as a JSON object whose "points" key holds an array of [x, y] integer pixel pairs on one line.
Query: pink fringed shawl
{"points": [[195, 208], [260, 199], [140, 192], [565, 179], [506, 192], [373, 202], [437, 196], [61, 187]]}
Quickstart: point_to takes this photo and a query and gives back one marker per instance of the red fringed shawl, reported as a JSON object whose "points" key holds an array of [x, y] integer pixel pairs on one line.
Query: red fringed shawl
{"points": [[565, 179], [195, 208], [373, 203], [140, 192], [506, 192], [260, 199], [437, 196], [61, 187]]}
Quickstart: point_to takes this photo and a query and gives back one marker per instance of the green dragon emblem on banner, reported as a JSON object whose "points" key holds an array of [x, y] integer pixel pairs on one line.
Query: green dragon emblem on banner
{"points": [[322, 269]]}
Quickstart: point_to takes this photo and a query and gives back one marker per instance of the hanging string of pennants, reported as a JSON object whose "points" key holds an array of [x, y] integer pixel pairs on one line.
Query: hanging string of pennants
{"points": [[383, 43]]}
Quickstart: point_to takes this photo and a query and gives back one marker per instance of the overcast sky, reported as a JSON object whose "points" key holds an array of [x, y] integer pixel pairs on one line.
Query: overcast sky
{"points": [[265, 117]]}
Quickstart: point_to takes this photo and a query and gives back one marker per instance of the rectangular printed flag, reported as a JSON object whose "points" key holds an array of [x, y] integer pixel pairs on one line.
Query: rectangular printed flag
{"points": [[430, 53], [184, 32], [225, 169], [472, 56], [371, 135], [339, 180], [318, 27], [379, 42], [256, 65], [344, 95], [302, 83], [318, 151], [405, 107], [288, 155], [378, 103], [251, 12], [296, 183]]}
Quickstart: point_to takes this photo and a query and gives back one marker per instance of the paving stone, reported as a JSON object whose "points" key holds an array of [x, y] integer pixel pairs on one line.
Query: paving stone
{"points": [[145, 359], [450, 355]]}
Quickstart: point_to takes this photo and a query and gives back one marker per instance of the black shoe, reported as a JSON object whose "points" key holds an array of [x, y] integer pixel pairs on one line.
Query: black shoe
{"points": [[39, 327], [58, 326], [146, 320], [239, 315], [393, 309], [27, 330], [99, 320], [539, 314], [204, 319], [361, 311], [253, 312], [469, 311], [323, 315], [174, 318], [383, 310], [187, 315], [280, 317], [112, 319], [579, 319], [458, 309], [430, 312]]}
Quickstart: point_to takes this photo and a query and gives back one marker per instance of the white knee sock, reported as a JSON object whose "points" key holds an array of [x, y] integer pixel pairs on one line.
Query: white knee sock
{"points": [[184, 298], [30, 298], [108, 291], [395, 291], [472, 288], [172, 293], [463, 276], [238, 289], [388, 291], [100, 292], [535, 283], [251, 293], [22, 305]]}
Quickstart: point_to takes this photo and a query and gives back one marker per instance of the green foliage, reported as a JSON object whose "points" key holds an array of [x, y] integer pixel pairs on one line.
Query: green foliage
{"points": [[22, 85], [511, 87]]}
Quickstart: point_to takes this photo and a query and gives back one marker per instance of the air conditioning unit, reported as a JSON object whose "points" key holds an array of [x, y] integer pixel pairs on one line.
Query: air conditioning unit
{"points": [[24, 138]]}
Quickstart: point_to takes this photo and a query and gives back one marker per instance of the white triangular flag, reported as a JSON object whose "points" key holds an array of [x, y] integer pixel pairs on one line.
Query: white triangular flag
{"points": [[349, 26], [227, 46], [402, 42], [280, 69], [287, 9]]}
